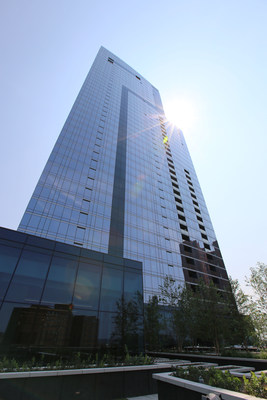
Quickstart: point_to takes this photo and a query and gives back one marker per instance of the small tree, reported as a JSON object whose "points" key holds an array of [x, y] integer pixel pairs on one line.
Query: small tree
{"points": [[258, 301], [206, 314], [127, 324], [153, 323], [212, 310], [243, 330], [179, 301]]}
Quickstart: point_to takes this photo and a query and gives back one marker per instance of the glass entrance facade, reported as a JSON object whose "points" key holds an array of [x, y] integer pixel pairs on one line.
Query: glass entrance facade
{"points": [[54, 295]]}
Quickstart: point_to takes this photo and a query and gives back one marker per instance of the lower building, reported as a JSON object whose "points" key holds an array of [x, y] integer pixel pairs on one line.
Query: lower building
{"points": [[54, 295]]}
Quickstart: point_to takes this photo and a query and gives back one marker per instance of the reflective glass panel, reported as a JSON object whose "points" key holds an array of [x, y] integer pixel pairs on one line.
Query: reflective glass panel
{"points": [[111, 290], [16, 323], [28, 281], [84, 329], [8, 260], [87, 287], [60, 281]]}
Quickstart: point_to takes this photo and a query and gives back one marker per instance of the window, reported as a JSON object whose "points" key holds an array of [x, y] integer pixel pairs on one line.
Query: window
{"points": [[111, 60], [60, 281], [8, 259], [190, 183], [181, 217], [215, 280], [132, 285], [192, 195], [192, 274], [178, 201], [111, 292], [207, 246], [197, 210], [188, 177], [195, 203], [185, 170], [192, 190], [188, 249], [87, 287], [190, 261], [202, 227], [180, 208], [209, 257], [204, 236], [173, 178], [212, 268], [185, 237], [184, 227], [176, 192], [138, 77], [174, 184], [199, 218], [28, 280]]}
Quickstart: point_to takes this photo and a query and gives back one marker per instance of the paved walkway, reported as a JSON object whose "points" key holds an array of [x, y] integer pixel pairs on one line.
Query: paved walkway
{"points": [[148, 397]]}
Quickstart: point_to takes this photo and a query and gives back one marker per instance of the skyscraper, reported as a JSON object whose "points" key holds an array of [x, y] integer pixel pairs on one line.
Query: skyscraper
{"points": [[120, 181]]}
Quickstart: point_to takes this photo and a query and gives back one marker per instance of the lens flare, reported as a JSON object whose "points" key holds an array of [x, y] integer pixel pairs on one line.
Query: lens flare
{"points": [[182, 112]]}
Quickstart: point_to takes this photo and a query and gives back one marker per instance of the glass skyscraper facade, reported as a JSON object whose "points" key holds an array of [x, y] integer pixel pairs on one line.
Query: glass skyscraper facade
{"points": [[120, 181]]}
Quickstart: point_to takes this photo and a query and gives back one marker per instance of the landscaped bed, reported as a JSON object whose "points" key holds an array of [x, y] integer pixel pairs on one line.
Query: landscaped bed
{"points": [[202, 380], [78, 361]]}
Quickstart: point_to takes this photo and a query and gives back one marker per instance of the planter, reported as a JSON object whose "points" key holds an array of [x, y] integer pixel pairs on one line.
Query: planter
{"points": [[258, 364], [94, 383], [172, 388]]}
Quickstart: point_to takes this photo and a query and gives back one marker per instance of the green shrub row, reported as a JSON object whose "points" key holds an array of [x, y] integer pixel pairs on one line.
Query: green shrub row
{"points": [[76, 362], [255, 386]]}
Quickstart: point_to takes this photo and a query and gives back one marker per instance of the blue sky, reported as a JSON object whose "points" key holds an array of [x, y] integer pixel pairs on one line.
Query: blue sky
{"points": [[209, 54]]}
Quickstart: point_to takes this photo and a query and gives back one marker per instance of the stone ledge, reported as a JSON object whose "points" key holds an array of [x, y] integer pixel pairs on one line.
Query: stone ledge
{"points": [[202, 388], [33, 374]]}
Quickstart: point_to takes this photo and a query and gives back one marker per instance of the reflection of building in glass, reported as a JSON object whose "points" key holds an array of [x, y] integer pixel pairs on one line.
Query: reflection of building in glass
{"points": [[50, 327], [55, 295], [117, 208]]}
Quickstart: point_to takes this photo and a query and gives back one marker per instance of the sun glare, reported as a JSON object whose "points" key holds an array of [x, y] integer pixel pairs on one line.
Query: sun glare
{"points": [[181, 112]]}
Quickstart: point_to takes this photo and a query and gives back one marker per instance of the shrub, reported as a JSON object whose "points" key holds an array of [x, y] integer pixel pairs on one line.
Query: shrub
{"points": [[256, 386], [210, 376], [77, 361]]}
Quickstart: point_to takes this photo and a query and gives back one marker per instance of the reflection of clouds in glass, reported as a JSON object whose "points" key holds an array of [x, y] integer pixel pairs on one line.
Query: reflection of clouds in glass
{"points": [[138, 186], [84, 290]]}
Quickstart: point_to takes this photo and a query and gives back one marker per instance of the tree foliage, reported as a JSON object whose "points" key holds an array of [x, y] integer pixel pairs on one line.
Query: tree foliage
{"points": [[253, 307], [153, 323], [257, 302], [205, 315], [128, 323]]}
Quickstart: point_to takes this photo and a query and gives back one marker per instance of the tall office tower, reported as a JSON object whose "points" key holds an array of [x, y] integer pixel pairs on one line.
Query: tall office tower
{"points": [[120, 181]]}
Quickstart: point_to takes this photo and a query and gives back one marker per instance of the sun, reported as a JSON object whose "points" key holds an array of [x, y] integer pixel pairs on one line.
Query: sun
{"points": [[181, 112]]}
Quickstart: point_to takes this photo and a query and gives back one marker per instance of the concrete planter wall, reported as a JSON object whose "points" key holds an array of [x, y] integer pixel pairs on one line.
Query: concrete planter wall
{"points": [[94, 383], [172, 388], [258, 364]]}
